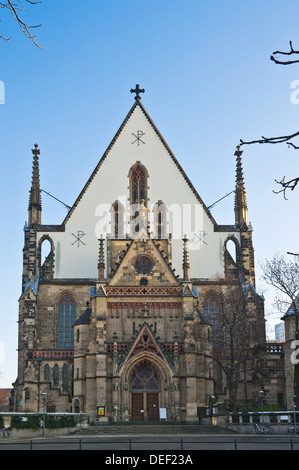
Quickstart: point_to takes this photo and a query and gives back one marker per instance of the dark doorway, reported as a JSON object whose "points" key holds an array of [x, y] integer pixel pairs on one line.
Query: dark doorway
{"points": [[137, 406], [152, 407]]}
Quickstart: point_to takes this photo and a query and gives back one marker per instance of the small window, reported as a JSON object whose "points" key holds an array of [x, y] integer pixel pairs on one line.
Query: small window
{"points": [[65, 377], [56, 375], [143, 281], [47, 373]]}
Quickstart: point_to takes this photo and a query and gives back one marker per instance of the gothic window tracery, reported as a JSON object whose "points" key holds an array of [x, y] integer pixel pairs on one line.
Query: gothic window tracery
{"points": [[145, 377], [211, 313], [138, 184], [66, 320]]}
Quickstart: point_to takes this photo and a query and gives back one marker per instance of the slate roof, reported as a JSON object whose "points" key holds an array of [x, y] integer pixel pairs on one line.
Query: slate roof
{"points": [[290, 310], [84, 318]]}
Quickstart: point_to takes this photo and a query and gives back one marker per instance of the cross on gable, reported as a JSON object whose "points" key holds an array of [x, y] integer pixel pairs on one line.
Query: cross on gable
{"points": [[137, 90]]}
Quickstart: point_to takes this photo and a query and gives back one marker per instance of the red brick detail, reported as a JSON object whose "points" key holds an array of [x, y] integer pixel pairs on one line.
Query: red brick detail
{"points": [[51, 355], [144, 290], [140, 305]]}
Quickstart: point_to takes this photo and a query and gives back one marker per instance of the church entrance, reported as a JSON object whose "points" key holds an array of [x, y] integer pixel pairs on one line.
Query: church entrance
{"points": [[145, 406], [145, 386]]}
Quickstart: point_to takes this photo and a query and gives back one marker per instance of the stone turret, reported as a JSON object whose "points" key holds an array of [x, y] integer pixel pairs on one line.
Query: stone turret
{"points": [[35, 203], [241, 213]]}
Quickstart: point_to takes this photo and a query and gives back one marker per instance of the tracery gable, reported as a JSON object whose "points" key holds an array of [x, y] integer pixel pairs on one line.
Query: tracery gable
{"points": [[145, 343], [149, 251]]}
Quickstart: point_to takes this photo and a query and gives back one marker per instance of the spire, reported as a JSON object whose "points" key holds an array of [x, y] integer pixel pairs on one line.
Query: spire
{"points": [[35, 203], [240, 193], [101, 263], [186, 262]]}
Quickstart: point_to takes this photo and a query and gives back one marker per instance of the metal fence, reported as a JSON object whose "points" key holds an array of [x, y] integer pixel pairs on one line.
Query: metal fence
{"points": [[162, 445]]}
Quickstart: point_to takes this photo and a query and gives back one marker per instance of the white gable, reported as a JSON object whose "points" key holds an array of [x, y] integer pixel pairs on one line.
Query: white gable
{"points": [[138, 140]]}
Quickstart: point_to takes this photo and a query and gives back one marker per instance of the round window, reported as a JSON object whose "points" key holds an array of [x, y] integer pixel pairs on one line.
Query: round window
{"points": [[143, 265]]}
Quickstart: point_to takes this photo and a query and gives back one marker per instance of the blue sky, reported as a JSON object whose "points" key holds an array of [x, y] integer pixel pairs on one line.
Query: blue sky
{"points": [[209, 82]]}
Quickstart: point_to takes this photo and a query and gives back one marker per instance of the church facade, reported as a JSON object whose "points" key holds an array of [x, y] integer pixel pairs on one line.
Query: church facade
{"points": [[113, 322]]}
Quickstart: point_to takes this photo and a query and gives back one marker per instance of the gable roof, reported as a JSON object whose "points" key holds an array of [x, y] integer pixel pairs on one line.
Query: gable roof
{"points": [[140, 105], [145, 343], [160, 258]]}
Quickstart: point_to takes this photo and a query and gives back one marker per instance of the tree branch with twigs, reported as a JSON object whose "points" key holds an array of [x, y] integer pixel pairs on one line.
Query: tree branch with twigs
{"points": [[16, 9], [288, 62], [291, 184]]}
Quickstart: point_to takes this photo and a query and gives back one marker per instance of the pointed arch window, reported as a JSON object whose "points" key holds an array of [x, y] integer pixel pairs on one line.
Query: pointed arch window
{"points": [[56, 375], [160, 220], [212, 312], [66, 320], [47, 373], [145, 377], [65, 377], [117, 220], [138, 184]]}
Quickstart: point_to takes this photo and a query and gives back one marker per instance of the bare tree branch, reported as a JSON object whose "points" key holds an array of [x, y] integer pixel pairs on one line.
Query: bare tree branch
{"points": [[287, 185], [15, 9], [273, 140], [288, 62], [291, 184]]}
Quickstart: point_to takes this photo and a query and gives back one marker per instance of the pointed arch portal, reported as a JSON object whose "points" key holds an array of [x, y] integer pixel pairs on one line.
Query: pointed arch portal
{"points": [[145, 385]]}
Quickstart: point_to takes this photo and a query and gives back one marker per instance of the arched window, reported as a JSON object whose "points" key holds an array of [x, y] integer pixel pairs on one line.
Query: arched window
{"points": [[145, 377], [47, 373], [212, 313], [66, 320], [138, 184], [65, 377], [46, 258], [77, 406], [56, 375], [117, 220], [210, 308], [160, 220], [231, 247]]}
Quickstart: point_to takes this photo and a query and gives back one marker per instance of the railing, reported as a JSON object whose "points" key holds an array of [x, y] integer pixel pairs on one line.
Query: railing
{"points": [[157, 449], [271, 417]]}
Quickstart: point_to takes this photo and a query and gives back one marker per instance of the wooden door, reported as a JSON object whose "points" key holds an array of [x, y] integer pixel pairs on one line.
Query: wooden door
{"points": [[137, 406], [152, 407]]}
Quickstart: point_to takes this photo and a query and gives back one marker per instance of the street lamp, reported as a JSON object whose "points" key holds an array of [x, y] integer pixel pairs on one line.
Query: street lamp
{"points": [[44, 400], [262, 394]]}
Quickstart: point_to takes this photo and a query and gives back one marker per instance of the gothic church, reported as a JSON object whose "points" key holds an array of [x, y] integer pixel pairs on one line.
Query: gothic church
{"points": [[108, 321]]}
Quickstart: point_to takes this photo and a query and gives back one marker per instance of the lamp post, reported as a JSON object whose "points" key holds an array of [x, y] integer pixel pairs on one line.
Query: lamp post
{"points": [[44, 400], [261, 393]]}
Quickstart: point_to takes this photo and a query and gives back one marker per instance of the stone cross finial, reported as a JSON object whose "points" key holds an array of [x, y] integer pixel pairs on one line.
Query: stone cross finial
{"points": [[137, 90]]}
